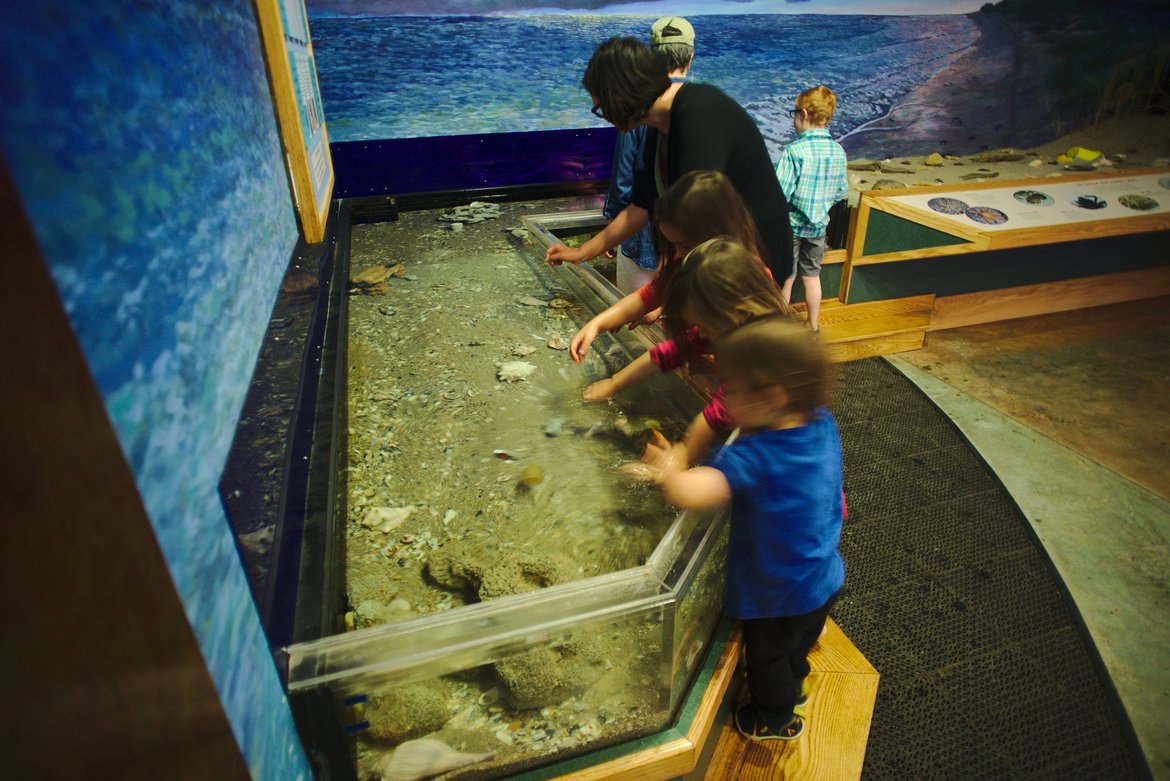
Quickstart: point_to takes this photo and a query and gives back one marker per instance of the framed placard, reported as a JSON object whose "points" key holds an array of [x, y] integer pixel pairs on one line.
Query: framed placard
{"points": [[292, 72]]}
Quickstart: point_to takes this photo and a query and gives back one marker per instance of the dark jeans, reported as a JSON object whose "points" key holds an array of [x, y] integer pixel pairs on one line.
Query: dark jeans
{"points": [[777, 659]]}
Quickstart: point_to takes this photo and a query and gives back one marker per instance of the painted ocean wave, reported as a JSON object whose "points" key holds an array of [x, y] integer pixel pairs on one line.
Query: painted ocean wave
{"points": [[408, 77]]}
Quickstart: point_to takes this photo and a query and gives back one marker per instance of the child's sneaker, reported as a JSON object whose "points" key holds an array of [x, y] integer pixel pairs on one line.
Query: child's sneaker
{"points": [[802, 694], [753, 727]]}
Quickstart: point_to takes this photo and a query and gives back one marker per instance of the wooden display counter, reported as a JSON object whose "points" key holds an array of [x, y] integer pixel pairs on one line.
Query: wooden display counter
{"points": [[998, 250]]}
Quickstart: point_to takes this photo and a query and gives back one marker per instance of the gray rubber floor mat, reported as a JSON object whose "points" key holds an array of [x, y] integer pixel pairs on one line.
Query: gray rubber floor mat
{"points": [[987, 670]]}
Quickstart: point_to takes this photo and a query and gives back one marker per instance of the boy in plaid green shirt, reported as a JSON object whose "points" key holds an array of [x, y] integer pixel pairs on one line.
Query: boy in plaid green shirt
{"points": [[813, 178]]}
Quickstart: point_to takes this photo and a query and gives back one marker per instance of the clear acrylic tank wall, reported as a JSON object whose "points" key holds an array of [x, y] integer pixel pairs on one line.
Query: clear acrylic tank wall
{"points": [[512, 599]]}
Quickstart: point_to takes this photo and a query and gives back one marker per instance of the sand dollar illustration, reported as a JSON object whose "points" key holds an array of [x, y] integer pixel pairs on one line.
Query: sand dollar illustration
{"points": [[1141, 203], [947, 205], [986, 215], [1034, 198], [1087, 201]]}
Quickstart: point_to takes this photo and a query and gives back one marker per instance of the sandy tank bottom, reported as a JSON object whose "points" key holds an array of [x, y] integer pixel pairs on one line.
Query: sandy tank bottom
{"points": [[476, 471]]}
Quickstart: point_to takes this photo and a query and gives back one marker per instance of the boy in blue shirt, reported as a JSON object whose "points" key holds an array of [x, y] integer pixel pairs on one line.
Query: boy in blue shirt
{"points": [[813, 177], [672, 41], [783, 478]]}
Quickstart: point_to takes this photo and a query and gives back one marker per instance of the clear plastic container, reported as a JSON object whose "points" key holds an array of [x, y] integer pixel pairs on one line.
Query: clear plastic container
{"points": [[531, 614]]}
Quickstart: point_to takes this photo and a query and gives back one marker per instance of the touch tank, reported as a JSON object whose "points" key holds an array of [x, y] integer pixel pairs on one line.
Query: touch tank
{"points": [[513, 600]]}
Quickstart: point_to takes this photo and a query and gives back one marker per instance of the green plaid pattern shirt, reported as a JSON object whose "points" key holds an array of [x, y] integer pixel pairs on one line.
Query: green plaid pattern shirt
{"points": [[812, 176]]}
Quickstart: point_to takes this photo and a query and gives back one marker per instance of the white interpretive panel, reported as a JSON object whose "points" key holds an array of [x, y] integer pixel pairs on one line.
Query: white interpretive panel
{"points": [[1048, 202]]}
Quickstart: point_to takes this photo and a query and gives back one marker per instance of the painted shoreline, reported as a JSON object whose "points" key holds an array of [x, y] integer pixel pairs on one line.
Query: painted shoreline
{"points": [[988, 97]]}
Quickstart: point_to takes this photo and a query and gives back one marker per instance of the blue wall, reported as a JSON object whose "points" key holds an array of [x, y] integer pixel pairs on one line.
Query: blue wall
{"points": [[142, 140]]}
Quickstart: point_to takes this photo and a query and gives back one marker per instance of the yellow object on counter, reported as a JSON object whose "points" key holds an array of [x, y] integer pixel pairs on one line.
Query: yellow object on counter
{"points": [[1083, 154]]}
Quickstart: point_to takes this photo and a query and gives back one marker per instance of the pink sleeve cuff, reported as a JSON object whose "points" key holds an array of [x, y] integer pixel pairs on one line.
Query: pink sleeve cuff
{"points": [[716, 414]]}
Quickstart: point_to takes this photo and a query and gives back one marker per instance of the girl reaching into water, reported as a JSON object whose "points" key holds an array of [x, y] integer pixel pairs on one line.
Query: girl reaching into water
{"points": [[700, 206], [720, 286]]}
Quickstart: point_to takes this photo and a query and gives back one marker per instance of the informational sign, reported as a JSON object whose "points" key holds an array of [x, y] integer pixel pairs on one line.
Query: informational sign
{"points": [[284, 26], [1044, 203]]}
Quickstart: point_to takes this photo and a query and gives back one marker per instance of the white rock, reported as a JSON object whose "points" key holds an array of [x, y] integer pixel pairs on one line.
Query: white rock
{"points": [[423, 758], [514, 371], [387, 519], [259, 542]]}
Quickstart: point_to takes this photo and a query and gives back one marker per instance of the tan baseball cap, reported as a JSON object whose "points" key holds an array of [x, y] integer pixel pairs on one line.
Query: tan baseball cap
{"points": [[672, 29]]}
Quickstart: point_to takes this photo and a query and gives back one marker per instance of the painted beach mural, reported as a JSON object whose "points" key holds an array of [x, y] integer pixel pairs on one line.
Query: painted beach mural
{"points": [[949, 76], [162, 208]]}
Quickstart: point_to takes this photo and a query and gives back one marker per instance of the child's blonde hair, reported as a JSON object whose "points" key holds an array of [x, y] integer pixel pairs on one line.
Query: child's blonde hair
{"points": [[702, 205], [819, 102], [720, 285], [773, 350]]}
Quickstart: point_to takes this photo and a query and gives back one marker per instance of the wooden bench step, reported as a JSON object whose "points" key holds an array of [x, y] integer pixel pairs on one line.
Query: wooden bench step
{"points": [[872, 317], [872, 347], [855, 331], [836, 730], [708, 748]]}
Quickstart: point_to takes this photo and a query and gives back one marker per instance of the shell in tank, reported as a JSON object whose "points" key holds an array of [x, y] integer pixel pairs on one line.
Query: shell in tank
{"points": [[423, 758], [514, 371]]}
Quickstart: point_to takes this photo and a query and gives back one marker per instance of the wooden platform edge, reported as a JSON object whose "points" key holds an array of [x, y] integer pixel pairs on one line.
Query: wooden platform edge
{"points": [[845, 685], [872, 328], [1061, 296], [679, 756], [839, 715], [841, 352]]}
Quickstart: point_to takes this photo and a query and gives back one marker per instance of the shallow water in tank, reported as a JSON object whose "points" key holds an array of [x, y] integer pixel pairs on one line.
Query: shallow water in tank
{"points": [[475, 471]]}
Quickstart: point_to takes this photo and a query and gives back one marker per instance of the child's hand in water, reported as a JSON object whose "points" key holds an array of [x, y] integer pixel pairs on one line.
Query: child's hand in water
{"points": [[661, 459], [579, 347], [602, 390]]}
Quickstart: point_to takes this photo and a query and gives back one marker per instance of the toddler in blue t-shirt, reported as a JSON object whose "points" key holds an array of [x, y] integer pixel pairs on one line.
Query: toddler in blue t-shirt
{"points": [[783, 479]]}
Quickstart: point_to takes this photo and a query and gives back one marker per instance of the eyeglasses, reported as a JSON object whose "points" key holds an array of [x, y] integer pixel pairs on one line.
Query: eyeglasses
{"points": [[600, 114]]}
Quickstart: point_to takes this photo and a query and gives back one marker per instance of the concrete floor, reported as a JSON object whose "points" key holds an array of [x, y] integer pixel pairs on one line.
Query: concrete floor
{"points": [[1072, 411]]}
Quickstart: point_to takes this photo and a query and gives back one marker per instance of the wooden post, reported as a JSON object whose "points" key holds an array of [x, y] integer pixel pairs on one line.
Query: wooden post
{"points": [[105, 674]]}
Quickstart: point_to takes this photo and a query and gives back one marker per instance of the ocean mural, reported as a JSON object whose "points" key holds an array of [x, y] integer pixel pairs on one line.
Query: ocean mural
{"points": [[141, 139], [912, 76], [371, 89], [412, 76], [419, 69]]}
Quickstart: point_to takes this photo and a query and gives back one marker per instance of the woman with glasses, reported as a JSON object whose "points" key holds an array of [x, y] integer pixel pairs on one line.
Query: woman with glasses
{"points": [[692, 127]]}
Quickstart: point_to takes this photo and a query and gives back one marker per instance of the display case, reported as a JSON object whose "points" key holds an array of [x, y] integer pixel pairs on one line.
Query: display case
{"points": [[1001, 249], [510, 599]]}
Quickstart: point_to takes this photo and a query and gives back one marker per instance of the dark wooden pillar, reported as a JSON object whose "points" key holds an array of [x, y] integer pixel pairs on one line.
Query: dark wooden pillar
{"points": [[101, 673]]}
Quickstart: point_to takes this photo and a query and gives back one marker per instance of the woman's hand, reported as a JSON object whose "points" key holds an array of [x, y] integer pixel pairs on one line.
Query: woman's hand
{"points": [[562, 253]]}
